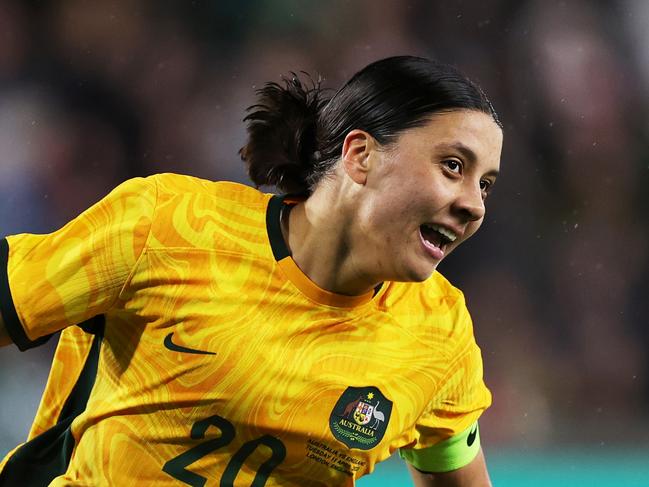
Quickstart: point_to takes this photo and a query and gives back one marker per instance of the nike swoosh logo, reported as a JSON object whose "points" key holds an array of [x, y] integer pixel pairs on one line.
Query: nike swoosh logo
{"points": [[179, 348], [471, 438]]}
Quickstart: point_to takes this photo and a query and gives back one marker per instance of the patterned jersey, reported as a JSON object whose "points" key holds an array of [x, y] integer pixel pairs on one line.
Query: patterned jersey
{"points": [[195, 352]]}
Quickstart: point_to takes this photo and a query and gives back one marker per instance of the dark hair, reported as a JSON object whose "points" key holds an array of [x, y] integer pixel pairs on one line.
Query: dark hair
{"points": [[295, 133]]}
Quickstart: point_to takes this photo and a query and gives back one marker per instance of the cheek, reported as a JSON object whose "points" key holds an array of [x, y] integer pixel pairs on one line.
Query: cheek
{"points": [[390, 227], [472, 228], [392, 210]]}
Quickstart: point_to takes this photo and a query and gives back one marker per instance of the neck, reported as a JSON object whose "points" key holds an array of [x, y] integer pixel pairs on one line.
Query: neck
{"points": [[318, 234]]}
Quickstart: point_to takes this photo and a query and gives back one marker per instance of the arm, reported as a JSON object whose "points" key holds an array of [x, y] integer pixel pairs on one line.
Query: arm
{"points": [[472, 475], [4, 336], [446, 451], [49, 282]]}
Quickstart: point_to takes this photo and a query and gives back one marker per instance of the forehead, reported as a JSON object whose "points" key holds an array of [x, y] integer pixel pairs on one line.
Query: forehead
{"points": [[472, 129]]}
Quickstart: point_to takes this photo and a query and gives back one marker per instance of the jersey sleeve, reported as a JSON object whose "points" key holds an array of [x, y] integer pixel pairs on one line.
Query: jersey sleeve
{"points": [[49, 282], [447, 432]]}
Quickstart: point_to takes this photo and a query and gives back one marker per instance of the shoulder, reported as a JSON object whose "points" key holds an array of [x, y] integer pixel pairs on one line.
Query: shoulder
{"points": [[197, 213], [438, 285], [180, 197], [433, 309], [436, 292], [170, 185]]}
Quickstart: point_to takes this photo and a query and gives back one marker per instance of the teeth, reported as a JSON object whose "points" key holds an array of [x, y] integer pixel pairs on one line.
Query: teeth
{"points": [[444, 231]]}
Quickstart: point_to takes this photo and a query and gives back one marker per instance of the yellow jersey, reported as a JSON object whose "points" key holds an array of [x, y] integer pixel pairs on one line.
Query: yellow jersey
{"points": [[194, 351]]}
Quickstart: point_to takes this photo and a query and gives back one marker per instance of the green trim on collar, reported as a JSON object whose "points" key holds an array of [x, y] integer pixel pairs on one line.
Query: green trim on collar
{"points": [[274, 227]]}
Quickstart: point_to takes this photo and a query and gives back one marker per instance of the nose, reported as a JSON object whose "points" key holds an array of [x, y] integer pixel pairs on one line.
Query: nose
{"points": [[469, 203]]}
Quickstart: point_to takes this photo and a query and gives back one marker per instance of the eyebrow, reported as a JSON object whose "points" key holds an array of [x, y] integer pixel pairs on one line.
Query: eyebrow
{"points": [[468, 154]]}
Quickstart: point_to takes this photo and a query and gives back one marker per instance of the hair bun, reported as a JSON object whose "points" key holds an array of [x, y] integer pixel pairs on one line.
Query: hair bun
{"points": [[282, 134]]}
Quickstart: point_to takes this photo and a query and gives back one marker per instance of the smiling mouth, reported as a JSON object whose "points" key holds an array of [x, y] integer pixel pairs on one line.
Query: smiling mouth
{"points": [[435, 239]]}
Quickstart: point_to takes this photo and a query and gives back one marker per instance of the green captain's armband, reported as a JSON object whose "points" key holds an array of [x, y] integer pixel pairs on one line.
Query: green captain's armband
{"points": [[450, 454]]}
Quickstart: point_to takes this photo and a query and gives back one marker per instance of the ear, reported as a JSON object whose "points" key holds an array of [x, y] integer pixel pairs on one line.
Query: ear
{"points": [[357, 147]]}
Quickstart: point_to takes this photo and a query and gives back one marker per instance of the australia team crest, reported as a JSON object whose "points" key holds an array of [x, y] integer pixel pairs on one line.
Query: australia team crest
{"points": [[360, 417]]}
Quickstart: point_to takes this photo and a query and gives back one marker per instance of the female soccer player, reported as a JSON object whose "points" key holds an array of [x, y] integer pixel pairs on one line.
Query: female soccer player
{"points": [[214, 334]]}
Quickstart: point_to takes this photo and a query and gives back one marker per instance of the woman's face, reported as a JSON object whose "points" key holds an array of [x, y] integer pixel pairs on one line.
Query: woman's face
{"points": [[425, 194]]}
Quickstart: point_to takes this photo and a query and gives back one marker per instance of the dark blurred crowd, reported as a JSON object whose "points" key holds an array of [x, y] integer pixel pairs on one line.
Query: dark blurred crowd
{"points": [[94, 91]]}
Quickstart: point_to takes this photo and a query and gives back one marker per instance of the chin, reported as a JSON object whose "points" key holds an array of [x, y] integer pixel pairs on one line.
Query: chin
{"points": [[419, 273]]}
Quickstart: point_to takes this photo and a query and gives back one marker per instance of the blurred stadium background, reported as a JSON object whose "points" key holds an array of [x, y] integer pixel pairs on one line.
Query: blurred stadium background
{"points": [[94, 92]]}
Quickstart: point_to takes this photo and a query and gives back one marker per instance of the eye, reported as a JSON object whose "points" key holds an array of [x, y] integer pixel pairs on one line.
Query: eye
{"points": [[485, 187], [453, 165]]}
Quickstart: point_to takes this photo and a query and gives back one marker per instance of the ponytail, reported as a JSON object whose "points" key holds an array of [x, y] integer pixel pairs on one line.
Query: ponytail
{"points": [[282, 147]]}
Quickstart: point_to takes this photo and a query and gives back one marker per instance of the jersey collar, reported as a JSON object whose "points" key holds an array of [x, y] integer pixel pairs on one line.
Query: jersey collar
{"points": [[286, 263]]}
